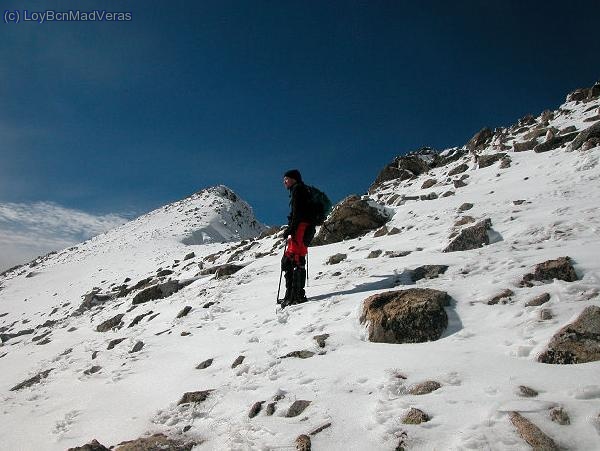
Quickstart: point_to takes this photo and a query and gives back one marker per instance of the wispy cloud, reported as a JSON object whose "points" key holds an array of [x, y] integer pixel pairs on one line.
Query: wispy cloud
{"points": [[29, 230]]}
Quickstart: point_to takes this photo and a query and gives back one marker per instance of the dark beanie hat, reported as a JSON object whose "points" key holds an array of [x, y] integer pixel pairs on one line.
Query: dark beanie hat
{"points": [[293, 174]]}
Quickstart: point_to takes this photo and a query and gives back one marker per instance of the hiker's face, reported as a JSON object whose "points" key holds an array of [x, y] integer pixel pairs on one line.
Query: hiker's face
{"points": [[288, 182]]}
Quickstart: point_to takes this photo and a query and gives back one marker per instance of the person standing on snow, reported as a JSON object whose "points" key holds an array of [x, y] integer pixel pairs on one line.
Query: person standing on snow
{"points": [[299, 233]]}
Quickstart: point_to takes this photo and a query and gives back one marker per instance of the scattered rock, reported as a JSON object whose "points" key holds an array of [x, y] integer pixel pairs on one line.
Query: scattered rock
{"points": [[375, 254], [5, 337], [113, 323], [114, 343], [577, 342], [32, 381], [396, 254], [335, 259], [271, 408], [91, 300], [155, 443], [238, 361], [394, 231], [500, 297], [138, 318], [464, 220], [428, 272], [424, 388], [546, 314], [428, 183], [531, 433], [430, 196], [303, 443], [320, 429], [352, 218], [527, 392], [159, 291], [524, 146], [226, 270], [459, 184], [94, 445], [381, 232], [297, 408], [299, 354], [137, 347], [189, 256], [164, 272], [538, 300], [415, 416], [471, 237], [187, 309], [320, 339], [560, 269], [194, 397], [205, 364], [255, 409], [448, 194], [560, 416], [483, 161], [407, 316], [92, 370]]}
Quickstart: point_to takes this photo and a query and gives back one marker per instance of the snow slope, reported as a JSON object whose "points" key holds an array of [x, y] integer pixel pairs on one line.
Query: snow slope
{"points": [[359, 387]]}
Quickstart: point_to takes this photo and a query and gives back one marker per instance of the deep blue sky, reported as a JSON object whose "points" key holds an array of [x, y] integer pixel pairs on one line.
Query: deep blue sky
{"points": [[126, 117]]}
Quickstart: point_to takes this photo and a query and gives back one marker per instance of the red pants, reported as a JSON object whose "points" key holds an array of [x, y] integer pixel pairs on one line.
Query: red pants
{"points": [[295, 246]]}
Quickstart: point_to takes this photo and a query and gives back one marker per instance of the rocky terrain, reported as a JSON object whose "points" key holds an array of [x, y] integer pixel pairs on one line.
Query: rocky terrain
{"points": [[456, 305]]}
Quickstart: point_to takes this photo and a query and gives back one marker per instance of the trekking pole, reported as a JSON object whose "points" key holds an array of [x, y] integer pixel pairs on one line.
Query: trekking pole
{"points": [[281, 273], [307, 270]]}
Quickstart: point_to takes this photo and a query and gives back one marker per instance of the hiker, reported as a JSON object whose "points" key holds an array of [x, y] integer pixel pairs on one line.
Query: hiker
{"points": [[299, 233]]}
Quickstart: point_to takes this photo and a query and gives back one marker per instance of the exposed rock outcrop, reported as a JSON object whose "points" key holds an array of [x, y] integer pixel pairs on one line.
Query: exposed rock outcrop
{"points": [[407, 316], [480, 139], [352, 218], [402, 168], [585, 135]]}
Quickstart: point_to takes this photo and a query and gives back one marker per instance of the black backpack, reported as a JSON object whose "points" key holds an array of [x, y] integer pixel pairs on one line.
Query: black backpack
{"points": [[319, 204]]}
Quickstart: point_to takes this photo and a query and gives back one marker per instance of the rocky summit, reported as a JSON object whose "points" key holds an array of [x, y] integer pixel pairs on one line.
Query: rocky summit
{"points": [[453, 306]]}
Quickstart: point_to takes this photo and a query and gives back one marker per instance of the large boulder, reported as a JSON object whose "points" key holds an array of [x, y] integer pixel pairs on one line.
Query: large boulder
{"points": [[577, 342], [415, 315], [471, 237], [352, 218]]}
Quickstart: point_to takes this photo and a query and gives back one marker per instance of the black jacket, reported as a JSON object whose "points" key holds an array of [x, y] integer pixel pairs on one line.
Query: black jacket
{"points": [[299, 206]]}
